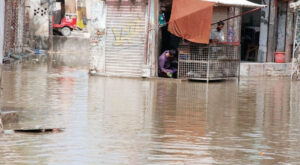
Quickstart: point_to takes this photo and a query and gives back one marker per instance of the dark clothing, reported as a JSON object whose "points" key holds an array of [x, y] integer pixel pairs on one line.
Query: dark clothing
{"points": [[165, 65], [169, 41]]}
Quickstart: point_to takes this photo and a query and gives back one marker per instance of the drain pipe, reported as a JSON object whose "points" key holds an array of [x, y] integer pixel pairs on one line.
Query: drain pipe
{"points": [[148, 32]]}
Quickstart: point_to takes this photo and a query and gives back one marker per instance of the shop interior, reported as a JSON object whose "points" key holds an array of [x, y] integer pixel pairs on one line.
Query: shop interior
{"points": [[168, 41], [250, 34]]}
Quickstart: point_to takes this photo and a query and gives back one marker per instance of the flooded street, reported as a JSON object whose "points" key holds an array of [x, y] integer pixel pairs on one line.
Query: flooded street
{"points": [[127, 121]]}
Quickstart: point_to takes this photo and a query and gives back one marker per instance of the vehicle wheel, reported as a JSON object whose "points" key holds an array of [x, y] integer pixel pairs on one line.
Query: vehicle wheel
{"points": [[66, 31]]}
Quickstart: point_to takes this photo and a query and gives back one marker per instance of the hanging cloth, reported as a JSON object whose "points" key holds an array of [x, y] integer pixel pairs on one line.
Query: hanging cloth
{"points": [[191, 20]]}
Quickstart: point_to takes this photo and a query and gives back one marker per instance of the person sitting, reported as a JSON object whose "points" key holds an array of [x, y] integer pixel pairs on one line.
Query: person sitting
{"points": [[166, 67]]}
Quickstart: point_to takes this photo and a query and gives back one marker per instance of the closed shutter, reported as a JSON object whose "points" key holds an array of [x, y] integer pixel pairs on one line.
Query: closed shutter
{"points": [[125, 39]]}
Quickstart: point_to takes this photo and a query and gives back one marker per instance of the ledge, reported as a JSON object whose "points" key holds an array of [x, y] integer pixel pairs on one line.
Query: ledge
{"points": [[265, 69]]}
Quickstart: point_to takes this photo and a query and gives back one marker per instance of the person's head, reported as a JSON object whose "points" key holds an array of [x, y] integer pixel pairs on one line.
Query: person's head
{"points": [[172, 53], [162, 9], [220, 25]]}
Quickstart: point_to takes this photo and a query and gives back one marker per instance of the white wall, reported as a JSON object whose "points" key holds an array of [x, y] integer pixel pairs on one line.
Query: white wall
{"points": [[39, 18], [96, 14], [2, 12]]}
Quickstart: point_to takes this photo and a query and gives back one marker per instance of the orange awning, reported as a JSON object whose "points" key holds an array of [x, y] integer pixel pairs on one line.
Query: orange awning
{"points": [[191, 20]]}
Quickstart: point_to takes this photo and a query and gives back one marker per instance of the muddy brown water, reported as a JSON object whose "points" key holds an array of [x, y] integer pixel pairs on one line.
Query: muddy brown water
{"points": [[125, 121]]}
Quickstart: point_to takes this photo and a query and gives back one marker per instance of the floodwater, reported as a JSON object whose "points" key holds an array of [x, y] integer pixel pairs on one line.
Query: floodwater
{"points": [[114, 121]]}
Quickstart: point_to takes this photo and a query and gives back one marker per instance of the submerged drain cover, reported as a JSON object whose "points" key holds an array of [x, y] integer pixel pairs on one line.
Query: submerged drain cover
{"points": [[41, 130]]}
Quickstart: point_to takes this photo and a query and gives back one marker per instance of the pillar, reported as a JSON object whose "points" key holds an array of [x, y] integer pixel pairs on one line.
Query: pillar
{"points": [[263, 39], [289, 33], [272, 31], [96, 15], [281, 28]]}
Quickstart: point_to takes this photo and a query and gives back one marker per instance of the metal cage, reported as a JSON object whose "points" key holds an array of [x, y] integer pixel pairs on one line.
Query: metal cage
{"points": [[208, 62]]}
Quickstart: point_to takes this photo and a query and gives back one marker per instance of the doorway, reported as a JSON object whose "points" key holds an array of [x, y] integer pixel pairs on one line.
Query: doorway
{"points": [[250, 34], [168, 40]]}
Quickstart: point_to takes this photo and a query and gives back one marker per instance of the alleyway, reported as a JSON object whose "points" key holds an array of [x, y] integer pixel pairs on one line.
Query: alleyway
{"points": [[128, 121]]}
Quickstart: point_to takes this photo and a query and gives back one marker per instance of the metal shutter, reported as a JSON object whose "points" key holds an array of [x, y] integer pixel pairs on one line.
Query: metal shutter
{"points": [[125, 40]]}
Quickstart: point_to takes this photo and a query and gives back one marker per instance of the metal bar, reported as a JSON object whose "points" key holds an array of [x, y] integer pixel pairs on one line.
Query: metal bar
{"points": [[295, 42], [208, 64]]}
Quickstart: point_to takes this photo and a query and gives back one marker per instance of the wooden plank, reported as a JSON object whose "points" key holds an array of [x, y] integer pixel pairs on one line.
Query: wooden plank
{"points": [[272, 31], [263, 38], [289, 34], [70, 6], [281, 28]]}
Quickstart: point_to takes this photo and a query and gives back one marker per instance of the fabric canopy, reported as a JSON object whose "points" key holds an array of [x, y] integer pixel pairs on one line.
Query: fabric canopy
{"points": [[237, 3], [191, 20]]}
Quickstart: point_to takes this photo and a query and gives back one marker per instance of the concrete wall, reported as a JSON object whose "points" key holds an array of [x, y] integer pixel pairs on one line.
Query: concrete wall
{"points": [[72, 51], [265, 69], [38, 23], [70, 6], [96, 15]]}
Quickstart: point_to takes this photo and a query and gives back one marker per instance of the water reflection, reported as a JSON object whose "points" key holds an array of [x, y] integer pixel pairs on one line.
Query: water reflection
{"points": [[128, 121]]}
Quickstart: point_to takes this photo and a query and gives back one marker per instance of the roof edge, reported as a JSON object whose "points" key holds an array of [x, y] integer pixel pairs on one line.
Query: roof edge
{"points": [[237, 3]]}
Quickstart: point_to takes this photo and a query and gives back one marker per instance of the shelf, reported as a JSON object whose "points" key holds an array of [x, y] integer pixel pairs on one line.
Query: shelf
{"points": [[210, 61], [210, 79]]}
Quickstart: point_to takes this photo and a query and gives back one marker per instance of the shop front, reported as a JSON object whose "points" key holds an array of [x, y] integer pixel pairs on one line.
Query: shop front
{"points": [[118, 32], [199, 58], [127, 38]]}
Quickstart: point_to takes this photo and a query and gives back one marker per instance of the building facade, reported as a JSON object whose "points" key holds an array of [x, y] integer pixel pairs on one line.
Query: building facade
{"points": [[126, 38], [268, 31]]}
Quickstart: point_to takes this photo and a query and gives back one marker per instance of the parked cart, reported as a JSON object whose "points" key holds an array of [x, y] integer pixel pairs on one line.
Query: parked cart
{"points": [[208, 62]]}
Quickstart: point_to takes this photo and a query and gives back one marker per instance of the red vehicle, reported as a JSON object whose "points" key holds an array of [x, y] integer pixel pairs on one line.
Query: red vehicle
{"points": [[67, 24]]}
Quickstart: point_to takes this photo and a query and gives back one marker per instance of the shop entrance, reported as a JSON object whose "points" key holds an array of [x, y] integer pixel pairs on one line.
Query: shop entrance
{"points": [[168, 40], [195, 61], [250, 34]]}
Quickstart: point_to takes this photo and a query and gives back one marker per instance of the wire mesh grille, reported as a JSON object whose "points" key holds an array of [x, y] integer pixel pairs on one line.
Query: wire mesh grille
{"points": [[208, 62]]}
